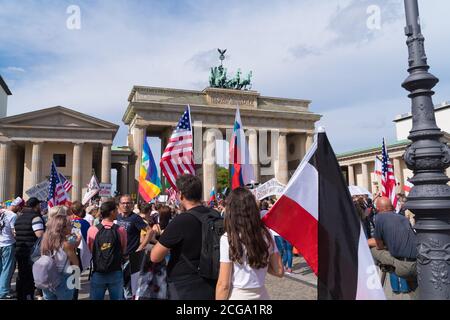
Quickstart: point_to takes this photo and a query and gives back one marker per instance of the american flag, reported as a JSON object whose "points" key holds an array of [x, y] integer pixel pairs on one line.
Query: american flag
{"points": [[172, 194], [66, 183], [178, 157], [56, 193], [388, 181]]}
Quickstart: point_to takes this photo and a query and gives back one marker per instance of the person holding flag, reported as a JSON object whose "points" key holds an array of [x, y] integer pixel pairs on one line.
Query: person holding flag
{"points": [[317, 216], [149, 182], [241, 169], [93, 189]]}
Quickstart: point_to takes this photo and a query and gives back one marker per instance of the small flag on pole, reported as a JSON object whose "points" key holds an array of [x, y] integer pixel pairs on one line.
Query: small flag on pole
{"points": [[408, 186], [65, 182], [212, 196], [388, 181], [56, 194], [93, 189]]}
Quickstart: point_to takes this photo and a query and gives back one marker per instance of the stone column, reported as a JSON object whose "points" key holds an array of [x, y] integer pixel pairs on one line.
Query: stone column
{"points": [[36, 159], [398, 172], [351, 175], [77, 171], [106, 163], [253, 148], [4, 170], [281, 163], [124, 179], [138, 146], [209, 164], [309, 141], [365, 175]]}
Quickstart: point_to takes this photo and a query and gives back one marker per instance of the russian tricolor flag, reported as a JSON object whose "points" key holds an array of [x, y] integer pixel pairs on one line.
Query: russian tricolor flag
{"points": [[212, 196], [316, 214], [241, 169]]}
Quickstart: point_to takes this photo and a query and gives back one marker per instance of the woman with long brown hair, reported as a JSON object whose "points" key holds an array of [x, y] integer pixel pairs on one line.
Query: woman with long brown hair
{"points": [[247, 251], [58, 243]]}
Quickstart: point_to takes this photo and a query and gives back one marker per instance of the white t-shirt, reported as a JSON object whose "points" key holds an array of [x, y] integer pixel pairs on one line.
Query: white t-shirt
{"points": [[244, 277], [7, 220]]}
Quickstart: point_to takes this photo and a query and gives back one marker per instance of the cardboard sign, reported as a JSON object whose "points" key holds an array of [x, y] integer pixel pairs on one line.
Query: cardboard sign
{"points": [[163, 198], [270, 188], [105, 190], [39, 191]]}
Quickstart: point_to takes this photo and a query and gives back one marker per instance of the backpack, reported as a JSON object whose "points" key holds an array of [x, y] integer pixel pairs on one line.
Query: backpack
{"points": [[152, 279], [45, 273], [36, 251], [107, 250], [212, 230]]}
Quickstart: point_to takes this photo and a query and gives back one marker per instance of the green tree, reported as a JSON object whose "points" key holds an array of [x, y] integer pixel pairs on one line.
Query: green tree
{"points": [[223, 178]]}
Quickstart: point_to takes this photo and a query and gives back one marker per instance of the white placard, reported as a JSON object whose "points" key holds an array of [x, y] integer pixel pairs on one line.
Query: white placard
{"points": [[105, 190], [163, 198], [39, 191], [270, 188]]}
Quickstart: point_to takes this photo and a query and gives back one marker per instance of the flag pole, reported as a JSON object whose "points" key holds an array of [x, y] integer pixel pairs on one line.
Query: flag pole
{"points": [[192, 130]]}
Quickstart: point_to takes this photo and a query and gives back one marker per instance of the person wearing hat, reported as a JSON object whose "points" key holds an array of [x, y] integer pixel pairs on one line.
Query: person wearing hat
{"points": [[29, 228], [8, 247]]}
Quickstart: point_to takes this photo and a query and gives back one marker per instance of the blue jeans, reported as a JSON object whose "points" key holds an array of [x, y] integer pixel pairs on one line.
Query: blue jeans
{"points": [[112, 281], [63, 292], [285, 249], [7, 266]]}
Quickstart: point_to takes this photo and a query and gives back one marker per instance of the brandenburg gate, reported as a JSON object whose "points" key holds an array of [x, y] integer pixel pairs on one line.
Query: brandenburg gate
{"points": [[279, 131]]}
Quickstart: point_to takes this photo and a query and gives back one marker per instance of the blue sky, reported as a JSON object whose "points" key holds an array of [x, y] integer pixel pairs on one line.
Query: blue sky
{"points": [[319, 50]]}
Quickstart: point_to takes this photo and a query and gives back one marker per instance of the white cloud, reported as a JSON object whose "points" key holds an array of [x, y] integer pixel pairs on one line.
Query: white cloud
{"points": [[14, 70], [313, 50]]}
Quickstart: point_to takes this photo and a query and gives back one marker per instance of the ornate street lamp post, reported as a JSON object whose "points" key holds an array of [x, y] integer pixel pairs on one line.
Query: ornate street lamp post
{"points": [[428, 157]]}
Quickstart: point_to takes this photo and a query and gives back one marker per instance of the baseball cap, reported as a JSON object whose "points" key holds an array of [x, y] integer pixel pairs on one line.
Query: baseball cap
{"points": [[33, 202], [18, 202]]}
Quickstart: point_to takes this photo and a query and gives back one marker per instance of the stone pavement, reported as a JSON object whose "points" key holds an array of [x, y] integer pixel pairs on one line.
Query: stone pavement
{"points": [[300, 285]]}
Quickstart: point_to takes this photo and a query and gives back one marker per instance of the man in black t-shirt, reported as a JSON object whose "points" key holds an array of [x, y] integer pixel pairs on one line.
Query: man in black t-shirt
{"points": [[183, 237], [133, 224]]}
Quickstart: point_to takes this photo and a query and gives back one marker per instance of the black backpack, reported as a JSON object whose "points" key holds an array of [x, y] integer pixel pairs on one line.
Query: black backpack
{"points": [[107, 250], [212, 230]]}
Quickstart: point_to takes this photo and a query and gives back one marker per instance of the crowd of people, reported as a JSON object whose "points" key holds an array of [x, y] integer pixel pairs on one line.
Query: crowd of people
{"points": [[186, 249], [391, 237], [104, 237]]}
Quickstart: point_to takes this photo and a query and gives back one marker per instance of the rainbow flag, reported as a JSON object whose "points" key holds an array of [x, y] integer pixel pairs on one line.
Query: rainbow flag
{"points": [[149, 182]]}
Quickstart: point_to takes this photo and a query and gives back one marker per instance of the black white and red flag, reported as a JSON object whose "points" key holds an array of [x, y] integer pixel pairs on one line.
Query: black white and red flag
{"points": [[316, 214]]}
